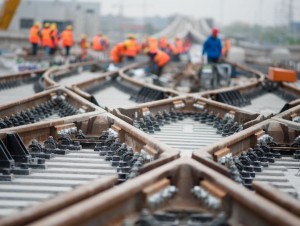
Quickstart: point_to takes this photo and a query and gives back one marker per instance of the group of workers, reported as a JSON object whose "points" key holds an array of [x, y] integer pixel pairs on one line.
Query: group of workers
{"points": [[49, 38], [159, 51]]}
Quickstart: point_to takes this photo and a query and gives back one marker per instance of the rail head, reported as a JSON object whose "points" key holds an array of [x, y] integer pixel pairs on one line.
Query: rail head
{"points": [[117, 204]]}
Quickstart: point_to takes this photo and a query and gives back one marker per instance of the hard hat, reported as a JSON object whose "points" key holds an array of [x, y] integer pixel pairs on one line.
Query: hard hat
{"points": [[83, 36], [46, 25], [131, 36], [215, 31], [38, 24], [53, 26], [69, 27]]}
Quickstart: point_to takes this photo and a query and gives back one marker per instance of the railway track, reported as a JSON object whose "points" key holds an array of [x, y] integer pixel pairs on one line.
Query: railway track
{"points": [[46, 106], [62, 169], [48, 160], [261, 96], [116, 89], [261, 153], [174, 196], [187, 124]]}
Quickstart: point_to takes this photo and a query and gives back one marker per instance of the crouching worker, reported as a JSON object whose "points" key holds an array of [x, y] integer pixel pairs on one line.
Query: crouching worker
{"points": [[159, 60], [117, 53]]}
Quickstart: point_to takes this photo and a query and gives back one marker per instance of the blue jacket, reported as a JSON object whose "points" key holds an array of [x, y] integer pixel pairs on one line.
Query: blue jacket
{"points": [[212, 47]]}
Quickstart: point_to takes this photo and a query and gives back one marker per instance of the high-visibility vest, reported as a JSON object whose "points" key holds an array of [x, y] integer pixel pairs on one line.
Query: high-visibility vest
{"points": [[34, 36], [161, 58], [163, 43], [131, 48], [97, 43], [226, 47], [153, 45], [46, 37], [67, 38], [54, 34], [117, 53], [179, 46]]}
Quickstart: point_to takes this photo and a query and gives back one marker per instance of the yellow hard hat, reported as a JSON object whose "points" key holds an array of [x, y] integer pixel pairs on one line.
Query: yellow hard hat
{"points": [[131, 36], [38, 24], [46, 25], [69, 27], [53, 26], [83, 36]]}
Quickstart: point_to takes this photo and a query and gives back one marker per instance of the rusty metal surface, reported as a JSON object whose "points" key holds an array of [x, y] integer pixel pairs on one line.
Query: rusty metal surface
{"points": [[92, 126], [281, 174], [113, 206], [117, 88], [39, 99], [187, 135]]}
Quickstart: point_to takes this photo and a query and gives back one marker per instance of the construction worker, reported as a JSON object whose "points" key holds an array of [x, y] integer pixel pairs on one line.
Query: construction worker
{"points": [[67, 39], [84, 45], [212, 47], [177, 49], [226, 47], [132, 48], [34, 37], [98, 45], [163, 43], [117, 53], [54, 37], [46, 38], [152, 45], [158, 59], [97, 42]]}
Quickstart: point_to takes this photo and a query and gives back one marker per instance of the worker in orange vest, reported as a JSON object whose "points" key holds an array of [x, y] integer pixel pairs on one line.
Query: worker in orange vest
{"points": [[34, 37], [226, 47], [117, 53], [84, 45], [97, 42], [132, 48], [67, 39], [46, 39], [54, 37], [163, 43], [152, 45], [177, 49], [158, 60]]}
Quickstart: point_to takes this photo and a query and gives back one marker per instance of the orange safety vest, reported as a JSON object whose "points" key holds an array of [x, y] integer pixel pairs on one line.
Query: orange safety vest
{"points": [[117, 53], [179, 46], [97, 43], [161, 58], [163, 43], [226, 47], [46, 37], [34, 36], [54, 35], [67, 38], [132, 48], [153, 45]]}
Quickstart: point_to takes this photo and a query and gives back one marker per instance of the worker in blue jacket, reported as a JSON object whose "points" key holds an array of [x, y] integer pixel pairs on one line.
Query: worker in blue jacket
{"points": [[212, 47]]}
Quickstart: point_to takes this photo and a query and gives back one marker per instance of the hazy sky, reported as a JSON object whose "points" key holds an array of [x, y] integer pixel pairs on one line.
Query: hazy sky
{"points": [[265, 12]]}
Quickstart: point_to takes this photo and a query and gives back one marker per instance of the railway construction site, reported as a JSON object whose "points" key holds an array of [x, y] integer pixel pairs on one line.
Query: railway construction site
{"points": [[83, 142]]}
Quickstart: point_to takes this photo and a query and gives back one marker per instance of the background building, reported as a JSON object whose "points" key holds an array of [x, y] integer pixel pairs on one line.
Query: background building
{"points": [[83, 16]]}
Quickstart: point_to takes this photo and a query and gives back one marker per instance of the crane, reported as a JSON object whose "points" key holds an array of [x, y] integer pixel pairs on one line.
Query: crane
{"points": [[7, 12]]}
